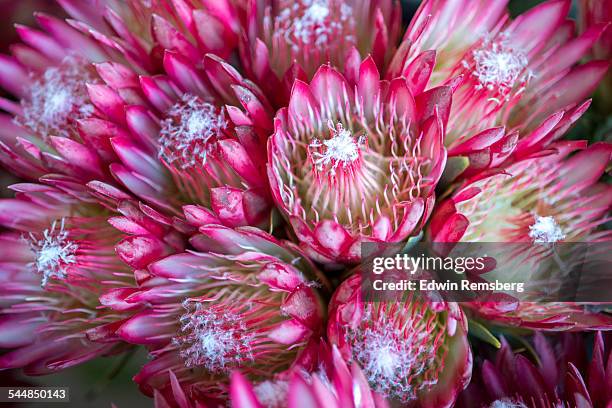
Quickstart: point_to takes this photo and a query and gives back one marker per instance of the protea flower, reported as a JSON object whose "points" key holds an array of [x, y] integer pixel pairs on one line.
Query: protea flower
{"points": [[58, 258], [54, 129], [197, 138], [288, 40], [411, 350], [49, 132], [512, 379], [513, 79], [552, 199], [539, 200], [357, 159], [334, 384], [246, 301]]}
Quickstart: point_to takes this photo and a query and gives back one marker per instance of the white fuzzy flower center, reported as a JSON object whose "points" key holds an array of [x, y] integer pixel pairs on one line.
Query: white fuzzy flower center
{"points": [[189, 131], [311, 22], [54, 252], [392, 359], [498, 66], [342, 149], [212, 339], [58, 99], [545, 230], [272, 394], [317, 12]]}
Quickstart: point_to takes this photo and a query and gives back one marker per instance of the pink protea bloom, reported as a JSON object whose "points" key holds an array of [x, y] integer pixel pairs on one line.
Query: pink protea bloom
{"points": [[513, 79], [53, 129], [559, 376], [197, 137], [58, 258], [552, 199], [248, 304], [286, 40], [357, 160], [541, 199], [411, 350], [48, 129], [334, 384]]}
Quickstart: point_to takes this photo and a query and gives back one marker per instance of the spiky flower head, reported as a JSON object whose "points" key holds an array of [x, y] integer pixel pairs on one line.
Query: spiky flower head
{"points": [[196, 138], [289, 40], [249, 304], [352, 161], [537, 202], [58, 259], [500, 69], [410, 350], [53, 128], [137, 32], [46, 132]]}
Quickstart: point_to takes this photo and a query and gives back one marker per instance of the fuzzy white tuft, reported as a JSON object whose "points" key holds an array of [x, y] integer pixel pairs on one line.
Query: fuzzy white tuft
{"points": [[545, 230], [54, 252], [392, 359], [341, 150], [499, 67], [57, 99], [312, 22], [215, 339], [189, 131], [505, 403]]}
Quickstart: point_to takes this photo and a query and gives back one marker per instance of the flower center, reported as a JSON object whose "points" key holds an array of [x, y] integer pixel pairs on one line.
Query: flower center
{"points": [[341, 150], [58, 99], [54, 252], [395, 361], [312, 22], [498, 66], [545, 230], [212, 338], [189, 131]]}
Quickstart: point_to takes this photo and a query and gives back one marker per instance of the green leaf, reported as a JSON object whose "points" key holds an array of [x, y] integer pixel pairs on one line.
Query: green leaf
{"points": [[411, 242], [481, 332]]}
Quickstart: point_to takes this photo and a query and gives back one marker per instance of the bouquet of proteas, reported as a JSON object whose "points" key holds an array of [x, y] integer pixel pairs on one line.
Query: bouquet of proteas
{"points": [[199, 178]]}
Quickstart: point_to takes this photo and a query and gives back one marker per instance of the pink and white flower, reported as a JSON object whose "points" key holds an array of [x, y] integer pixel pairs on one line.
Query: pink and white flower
{"points": [[137, 32], [356, 159], [195, 137], [58, 258], [334, 384], [513, 79], [49, 129], [288, 40], [410, 349], [556, 198], [245, 301]]}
